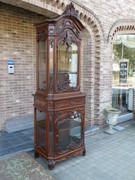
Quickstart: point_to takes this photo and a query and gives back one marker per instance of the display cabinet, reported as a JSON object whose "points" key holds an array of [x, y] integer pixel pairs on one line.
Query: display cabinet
{"points": [[59, 106]]}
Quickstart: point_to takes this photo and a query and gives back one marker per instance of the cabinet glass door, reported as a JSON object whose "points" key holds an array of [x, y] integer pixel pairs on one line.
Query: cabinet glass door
{"points": [[42, 57], [67, 66], [41, 129], [69, 134]]}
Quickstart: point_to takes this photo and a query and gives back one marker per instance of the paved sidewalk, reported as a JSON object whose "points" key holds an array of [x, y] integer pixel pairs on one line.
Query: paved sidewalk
{"points": [[24, 140], [108, 157], [14, 142]]}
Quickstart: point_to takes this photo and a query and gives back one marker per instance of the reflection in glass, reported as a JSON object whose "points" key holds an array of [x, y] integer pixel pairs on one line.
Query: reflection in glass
{"points": [[67, 65], [42, 64], [40, 125], [123, 72], [69, 132], [51, 66]]}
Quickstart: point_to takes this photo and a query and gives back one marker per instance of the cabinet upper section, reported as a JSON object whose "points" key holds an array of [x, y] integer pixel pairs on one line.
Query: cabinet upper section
{"points": [[58, 53]]}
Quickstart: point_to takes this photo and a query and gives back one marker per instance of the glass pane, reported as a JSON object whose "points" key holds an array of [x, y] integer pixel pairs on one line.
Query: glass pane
{"points": [[51, 66], [67, 65], [42, 64], [41, 131], [123, 73], [50, 133], [69, 132]]}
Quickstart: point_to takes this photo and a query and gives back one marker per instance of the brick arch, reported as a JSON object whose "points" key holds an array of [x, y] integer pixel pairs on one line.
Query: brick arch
{"points": [[87, 75], [92, 89], [121, 27]]}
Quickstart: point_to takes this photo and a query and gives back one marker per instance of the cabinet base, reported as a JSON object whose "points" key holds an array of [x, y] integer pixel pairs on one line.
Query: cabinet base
{"points": [[84, 152], [51, 162], [36, 154]]}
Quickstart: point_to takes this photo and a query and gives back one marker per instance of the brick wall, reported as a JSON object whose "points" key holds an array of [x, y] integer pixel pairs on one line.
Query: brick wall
{"points": [[17, 42], [17, 35]]}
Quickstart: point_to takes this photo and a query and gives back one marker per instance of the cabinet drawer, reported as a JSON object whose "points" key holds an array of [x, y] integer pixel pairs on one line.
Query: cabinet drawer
{"points": [[69, 103]]}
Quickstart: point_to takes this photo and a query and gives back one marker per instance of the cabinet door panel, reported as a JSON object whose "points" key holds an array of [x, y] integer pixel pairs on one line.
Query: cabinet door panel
{"points": [[41, 129], [69, 130]]}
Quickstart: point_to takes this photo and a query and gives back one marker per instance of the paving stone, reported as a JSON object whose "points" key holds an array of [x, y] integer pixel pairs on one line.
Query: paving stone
{"points": [[6, 151], [24, 147], [28, 131], [15, 141], [25, 139], [4, 144]]}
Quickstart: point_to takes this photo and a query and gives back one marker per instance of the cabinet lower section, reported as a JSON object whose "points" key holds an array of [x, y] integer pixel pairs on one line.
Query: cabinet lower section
{"points": [[59, 133]]}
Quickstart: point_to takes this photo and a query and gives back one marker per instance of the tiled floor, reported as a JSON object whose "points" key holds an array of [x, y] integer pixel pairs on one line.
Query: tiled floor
{"points": [[17, 141], [109, 157]]}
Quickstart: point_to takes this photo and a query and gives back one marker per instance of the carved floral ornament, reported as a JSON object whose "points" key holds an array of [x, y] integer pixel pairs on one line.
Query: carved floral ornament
{"points": [[75, 113], [51, 41], [41, 35], [66, 24], [68, 38], [69, 147], [65, 87]]}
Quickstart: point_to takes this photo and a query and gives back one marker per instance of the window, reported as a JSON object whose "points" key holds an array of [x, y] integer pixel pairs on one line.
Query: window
{"points": [[123, 72]]}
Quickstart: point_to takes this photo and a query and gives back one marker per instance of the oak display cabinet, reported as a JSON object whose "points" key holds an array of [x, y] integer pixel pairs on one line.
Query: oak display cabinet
{"points": [[59, 106]]}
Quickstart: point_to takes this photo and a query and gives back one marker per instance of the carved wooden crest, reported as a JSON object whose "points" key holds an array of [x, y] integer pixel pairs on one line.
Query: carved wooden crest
{"points": [[70, 10]]}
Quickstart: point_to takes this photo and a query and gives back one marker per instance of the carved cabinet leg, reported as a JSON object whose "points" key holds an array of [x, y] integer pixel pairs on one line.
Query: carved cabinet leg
{"points": [[84, 152], [51, 164], [36, 155]]}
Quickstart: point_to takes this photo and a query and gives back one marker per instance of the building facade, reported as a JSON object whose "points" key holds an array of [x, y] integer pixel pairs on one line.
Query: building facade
{"points": [[103, 21]]}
